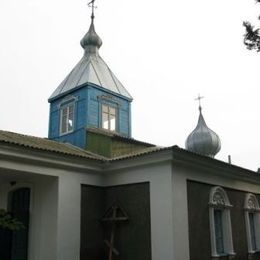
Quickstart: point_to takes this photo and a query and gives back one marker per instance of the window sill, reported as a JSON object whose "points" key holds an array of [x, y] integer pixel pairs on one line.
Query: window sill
{"points": [[254, 252], [63, 134], [225, 256]]}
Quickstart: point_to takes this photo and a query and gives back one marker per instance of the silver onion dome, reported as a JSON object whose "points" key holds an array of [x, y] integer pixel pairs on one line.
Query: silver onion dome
{"points": [[91, 39], [203, 140]]}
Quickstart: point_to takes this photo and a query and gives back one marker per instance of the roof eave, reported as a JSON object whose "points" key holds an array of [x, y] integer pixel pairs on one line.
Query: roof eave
{"points": [[51, 99]]}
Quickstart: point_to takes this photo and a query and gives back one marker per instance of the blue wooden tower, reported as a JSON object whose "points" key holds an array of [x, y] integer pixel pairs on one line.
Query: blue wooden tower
{"points": [[90, 97]]}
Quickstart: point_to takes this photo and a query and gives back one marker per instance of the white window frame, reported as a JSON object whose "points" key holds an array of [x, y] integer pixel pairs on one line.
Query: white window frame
{"points": [[66, 107], [252, 206], [109, 116], [218, 200]]}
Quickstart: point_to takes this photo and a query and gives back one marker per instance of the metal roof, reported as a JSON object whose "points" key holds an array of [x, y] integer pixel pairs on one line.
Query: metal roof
{"points": [[91, 69], [202, 139], [37, 143], [45, 145]]}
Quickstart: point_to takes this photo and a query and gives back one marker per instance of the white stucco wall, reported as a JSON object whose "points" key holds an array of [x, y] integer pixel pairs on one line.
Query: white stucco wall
{"points": [[56, 199], [160, 179], [43, 212], [69, 212], [54, 231]]}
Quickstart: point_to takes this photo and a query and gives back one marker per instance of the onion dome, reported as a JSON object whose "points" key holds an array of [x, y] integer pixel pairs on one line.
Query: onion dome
{"points": [[203, 140], [91, 39]]}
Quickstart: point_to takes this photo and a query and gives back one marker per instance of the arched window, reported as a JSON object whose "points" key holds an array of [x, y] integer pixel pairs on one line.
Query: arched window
{"points": [[220, 223], [252, 220]]}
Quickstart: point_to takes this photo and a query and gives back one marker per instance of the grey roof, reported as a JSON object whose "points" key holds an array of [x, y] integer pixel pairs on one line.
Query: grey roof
{"points": [[91, 69], [36, 143], [44, 144], [203, 140]]}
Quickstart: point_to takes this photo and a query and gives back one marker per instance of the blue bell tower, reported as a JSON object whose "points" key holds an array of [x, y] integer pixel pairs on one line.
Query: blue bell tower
{"points": [[90, 97]]}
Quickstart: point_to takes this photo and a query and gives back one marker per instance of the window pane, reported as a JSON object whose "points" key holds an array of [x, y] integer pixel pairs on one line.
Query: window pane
{"points": [[67, 119], [218, 231], [64, 112], [70, 125], [63, 125], [112, 123], [105, 109], [108, 117], [252, 230], [70, 118], [105, 124], [71, 109], [112, 111]]}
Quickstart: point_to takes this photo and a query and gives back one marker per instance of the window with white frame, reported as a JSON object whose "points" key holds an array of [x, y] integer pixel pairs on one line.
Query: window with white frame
{"points": [[67, 118], [252, 220], [220, 223], [109, 117]]}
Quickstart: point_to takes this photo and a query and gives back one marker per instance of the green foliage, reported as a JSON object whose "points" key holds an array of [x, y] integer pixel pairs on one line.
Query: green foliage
{"points": [[252, 36], [6, 221]]}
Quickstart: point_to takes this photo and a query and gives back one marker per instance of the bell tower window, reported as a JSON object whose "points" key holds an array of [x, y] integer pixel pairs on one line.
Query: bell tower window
{"points": [[109, 117], [67, 118]]}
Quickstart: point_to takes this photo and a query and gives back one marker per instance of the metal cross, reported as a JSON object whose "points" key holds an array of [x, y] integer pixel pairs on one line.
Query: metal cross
{"points": [[199, 99], [92, 5]]}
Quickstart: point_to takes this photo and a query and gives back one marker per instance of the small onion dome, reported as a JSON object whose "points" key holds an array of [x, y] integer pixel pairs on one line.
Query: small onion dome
{"points": [[91, 38], [203, 140]]}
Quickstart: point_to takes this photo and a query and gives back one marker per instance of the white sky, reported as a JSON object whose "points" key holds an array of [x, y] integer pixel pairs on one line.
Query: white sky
{"points": [[164, 52]]}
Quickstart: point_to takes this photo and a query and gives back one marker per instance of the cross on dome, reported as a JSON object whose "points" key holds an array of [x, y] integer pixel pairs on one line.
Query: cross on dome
{"points": [[199, 99], [91, 4]]}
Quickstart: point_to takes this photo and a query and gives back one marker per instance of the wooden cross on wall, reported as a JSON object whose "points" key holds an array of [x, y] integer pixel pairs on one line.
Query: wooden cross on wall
{"points": [[114, 216]]}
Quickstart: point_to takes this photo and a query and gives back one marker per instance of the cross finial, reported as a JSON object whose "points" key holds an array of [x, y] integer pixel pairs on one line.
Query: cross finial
{"points": [[92, 5], [199, 99]]}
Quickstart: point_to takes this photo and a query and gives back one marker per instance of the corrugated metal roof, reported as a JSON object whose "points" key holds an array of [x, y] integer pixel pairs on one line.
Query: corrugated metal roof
{"points": [[117, 136], [91, 69], [142, 152], [45, 145], [67, 149]]}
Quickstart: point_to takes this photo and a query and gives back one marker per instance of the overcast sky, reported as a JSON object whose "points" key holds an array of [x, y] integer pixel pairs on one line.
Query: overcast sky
{"points": [[164, 52]]}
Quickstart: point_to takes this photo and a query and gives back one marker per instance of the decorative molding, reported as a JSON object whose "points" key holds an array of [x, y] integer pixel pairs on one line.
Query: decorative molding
{"points": [[251, 206], [251, 203], [109, 98], [218, 199], [67, 99]]}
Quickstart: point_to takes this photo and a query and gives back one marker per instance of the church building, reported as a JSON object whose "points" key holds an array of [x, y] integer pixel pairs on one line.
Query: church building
{"points": [[90, 191]]}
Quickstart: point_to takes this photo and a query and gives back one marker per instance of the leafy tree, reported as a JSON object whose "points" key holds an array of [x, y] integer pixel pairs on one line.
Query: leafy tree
{"points": [[252, 35], [7, 222]]}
